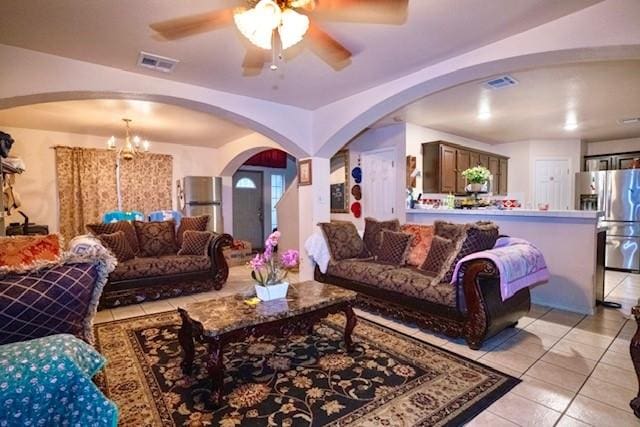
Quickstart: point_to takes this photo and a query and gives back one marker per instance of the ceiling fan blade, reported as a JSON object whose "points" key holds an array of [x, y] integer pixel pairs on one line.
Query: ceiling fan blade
{"points": [[328, 48], [189, 25], [253, 62], [366, 11]]}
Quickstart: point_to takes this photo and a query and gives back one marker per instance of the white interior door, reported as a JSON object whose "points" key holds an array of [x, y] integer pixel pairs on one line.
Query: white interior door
{"points": [[552, 183], [379, 184]]}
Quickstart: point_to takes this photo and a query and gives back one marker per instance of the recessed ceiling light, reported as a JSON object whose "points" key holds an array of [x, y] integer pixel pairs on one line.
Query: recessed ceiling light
{"points": [[484, 115], [571, 122]]}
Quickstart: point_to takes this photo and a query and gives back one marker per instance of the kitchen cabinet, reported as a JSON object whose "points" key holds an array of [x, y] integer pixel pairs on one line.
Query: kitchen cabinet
{"points": [[462, 163], [444, 162], [611, 161]]}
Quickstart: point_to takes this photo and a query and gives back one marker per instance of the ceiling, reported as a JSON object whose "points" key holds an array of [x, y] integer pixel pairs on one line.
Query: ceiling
{"points": [[114, 32], [103, 117], [596, 94]]}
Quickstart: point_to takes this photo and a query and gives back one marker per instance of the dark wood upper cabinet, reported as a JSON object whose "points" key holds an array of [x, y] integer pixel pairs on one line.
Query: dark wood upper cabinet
{"points": [[443, 164], [610, 161], [447, 169], [502, 177], [462, 163]]}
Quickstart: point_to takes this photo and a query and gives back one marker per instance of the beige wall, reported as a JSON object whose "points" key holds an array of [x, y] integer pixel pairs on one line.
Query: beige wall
{"points": [[613, 146], [37, 186]]}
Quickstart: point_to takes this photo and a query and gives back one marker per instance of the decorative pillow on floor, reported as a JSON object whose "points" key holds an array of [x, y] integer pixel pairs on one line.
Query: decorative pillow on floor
{"points": [[118, 244], [421, 243], [394, 247], [440, 256], [194, 223], [125, 226], [53, 300], [195, 242], [343, 239], [480, 236], [156, 238], [22, 253], [372, 231]]}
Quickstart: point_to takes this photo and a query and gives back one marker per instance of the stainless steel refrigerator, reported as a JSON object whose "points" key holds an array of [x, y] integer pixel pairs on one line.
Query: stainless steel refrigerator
{"points": [[202, 195], [617, 194]]}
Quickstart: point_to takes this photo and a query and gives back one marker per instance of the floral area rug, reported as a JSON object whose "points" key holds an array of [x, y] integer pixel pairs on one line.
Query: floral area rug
{"points": [[389, 380]]}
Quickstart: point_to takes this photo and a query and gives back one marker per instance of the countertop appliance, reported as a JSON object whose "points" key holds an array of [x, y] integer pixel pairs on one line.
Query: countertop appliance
{"points": [[202, 195], [617, 194]]}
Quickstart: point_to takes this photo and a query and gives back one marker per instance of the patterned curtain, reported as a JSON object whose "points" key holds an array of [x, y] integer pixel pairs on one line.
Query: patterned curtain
{"points": [[87, 185], [145, 182]]}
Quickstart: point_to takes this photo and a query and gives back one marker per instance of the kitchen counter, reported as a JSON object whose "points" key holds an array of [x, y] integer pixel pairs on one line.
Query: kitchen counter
{"points": [[510, 212], [567, 239]]}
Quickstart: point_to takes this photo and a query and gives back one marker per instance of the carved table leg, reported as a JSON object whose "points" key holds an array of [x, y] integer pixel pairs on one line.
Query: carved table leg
{"points": [[216, 371], [348, 328], [635, 357], [185, 338]]}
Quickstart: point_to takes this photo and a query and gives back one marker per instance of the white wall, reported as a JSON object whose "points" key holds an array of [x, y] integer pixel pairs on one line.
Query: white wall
{"points": [[37, 186], [613, 146], [522, 158]]}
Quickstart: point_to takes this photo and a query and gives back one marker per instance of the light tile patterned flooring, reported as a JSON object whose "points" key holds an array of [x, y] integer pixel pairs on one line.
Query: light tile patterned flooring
{"points": [[575, 370]]}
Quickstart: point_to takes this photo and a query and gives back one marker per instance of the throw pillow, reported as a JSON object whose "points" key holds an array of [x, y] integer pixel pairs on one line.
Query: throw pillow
{"points": [[156, 238], [394, 247], [440, 256], [118, 244], [421, 243], [372, 231], [449, 230], [195, 223], [195, 242], [343, 239], [21, 253], [125, 226], [480, 236]]}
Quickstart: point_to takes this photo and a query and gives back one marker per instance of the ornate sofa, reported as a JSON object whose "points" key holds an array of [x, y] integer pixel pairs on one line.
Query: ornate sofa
{"points": [[156, 260], [471, 308]]}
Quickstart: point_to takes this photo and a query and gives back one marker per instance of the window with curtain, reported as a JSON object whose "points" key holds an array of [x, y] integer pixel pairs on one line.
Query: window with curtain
{"points": [[277, 190], [86, 181]]}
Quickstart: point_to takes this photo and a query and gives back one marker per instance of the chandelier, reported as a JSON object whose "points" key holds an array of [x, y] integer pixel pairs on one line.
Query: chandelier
{"points": [[260, 23], [132, 146]]}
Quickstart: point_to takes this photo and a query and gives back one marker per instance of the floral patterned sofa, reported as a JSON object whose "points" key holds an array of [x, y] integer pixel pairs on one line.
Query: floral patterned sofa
{"points": [[160, 261], [407, 272]]}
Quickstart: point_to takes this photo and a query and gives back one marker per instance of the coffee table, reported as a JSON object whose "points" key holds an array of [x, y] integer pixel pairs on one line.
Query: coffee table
{"points": [[218, 322]]}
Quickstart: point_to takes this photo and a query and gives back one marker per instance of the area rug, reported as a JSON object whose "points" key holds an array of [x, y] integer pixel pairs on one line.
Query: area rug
{"points": [[389, 380]]}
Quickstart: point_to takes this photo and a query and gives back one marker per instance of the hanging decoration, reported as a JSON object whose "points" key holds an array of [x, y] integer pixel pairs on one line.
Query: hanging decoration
{"points": [[356, 192], [356, 209]]}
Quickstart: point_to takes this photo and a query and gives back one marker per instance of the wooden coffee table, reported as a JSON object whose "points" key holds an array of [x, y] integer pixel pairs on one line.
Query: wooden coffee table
{"points": [[220, 321]]}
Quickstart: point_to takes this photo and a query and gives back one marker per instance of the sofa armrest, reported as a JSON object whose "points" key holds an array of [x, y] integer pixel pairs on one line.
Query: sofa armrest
{"points": [[219, 266], [486, 312]]}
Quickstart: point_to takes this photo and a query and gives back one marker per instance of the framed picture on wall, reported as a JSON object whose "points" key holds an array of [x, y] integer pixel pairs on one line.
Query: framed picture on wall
{"points": [[304, 172]]}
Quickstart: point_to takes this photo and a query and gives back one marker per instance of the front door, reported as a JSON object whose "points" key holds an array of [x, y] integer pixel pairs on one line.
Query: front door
{"points": [[248, 217]]}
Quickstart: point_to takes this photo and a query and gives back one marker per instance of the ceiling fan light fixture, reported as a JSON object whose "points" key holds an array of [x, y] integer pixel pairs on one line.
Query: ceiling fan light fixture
{"points": [[257, 24], [292, 28]]}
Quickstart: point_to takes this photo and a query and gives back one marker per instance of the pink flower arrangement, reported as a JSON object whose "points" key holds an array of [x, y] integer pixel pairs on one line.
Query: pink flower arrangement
{"points": [[267, 270]]}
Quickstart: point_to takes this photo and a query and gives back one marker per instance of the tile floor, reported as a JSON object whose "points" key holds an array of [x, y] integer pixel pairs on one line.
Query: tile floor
{"points": [[575, 369]]}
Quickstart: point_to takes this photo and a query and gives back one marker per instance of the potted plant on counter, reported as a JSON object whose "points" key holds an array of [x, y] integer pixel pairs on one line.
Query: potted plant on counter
{"points": [[270, 272], [477, 178]]}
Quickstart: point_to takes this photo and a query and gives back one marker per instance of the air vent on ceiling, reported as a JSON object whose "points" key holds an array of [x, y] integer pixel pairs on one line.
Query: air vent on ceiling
{"points": [[629, 121], [500, 82], [157, 62]]}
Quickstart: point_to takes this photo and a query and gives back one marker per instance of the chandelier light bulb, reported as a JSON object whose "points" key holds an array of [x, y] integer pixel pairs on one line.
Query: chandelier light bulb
{"points": [[111, 143], [293, 27], [145, 145]]}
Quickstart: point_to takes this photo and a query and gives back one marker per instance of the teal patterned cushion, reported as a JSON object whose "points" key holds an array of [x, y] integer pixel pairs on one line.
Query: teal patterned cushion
{"points": [[47, 381]]}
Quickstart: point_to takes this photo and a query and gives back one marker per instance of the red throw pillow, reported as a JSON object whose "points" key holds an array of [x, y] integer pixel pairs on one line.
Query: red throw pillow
{"points": [[421, 243]]}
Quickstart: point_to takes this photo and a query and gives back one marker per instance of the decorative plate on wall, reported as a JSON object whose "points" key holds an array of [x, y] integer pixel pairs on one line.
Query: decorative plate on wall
{"points": [[356, 209], [356, 192], [356, 173]]}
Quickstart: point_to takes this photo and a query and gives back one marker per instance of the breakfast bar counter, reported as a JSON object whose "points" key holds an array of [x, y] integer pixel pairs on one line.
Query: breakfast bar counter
{"points": [[568, 240]]}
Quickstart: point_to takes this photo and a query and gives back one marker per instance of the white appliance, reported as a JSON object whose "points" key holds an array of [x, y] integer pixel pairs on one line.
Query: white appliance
{"points": [[202, 195]]}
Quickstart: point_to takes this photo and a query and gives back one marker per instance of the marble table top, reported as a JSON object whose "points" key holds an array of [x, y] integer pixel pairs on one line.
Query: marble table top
{"points": [[226, 314]]}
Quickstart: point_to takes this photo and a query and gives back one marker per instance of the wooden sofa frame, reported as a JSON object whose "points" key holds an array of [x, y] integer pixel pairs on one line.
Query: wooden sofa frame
{"points": [[484, 316]]}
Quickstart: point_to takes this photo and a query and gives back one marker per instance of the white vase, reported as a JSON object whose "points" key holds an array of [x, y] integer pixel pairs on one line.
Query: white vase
{"points": [[475, 187], [271, 292]]}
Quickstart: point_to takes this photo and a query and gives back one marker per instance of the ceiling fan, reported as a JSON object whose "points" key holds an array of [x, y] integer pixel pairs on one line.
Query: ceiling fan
{"points": [[278, 25]]}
